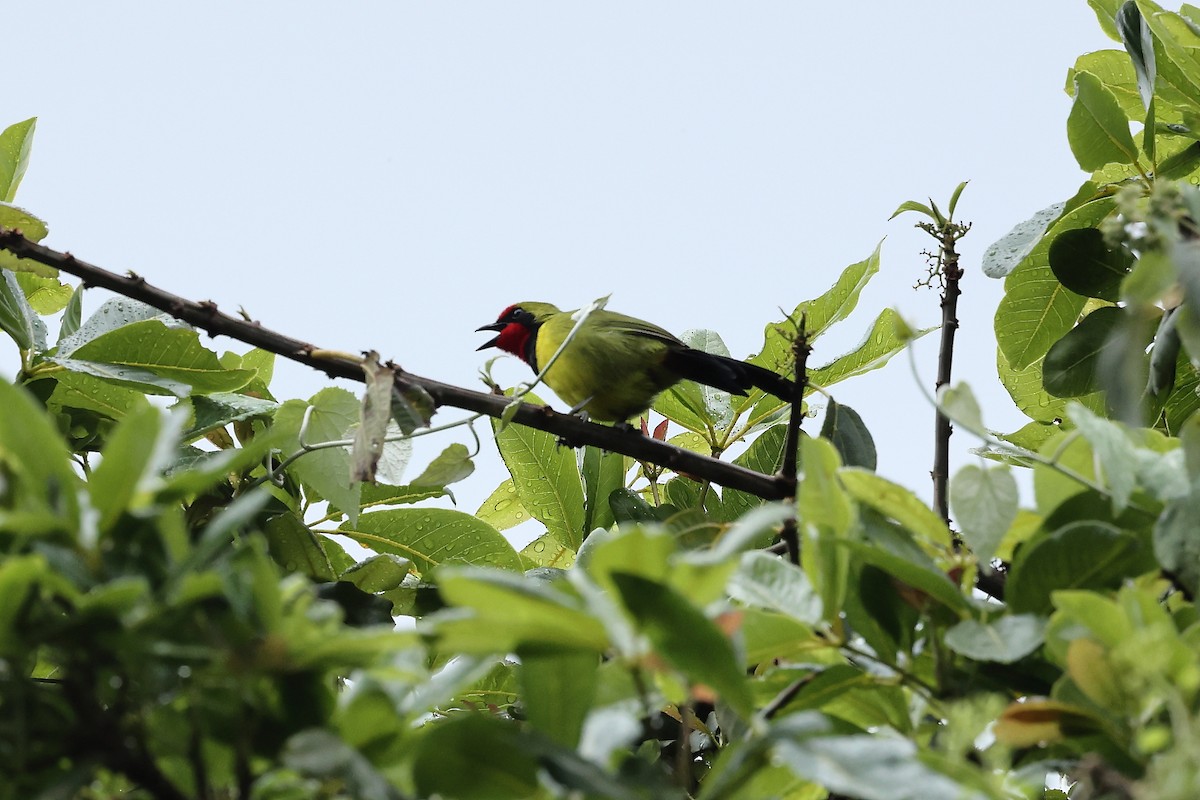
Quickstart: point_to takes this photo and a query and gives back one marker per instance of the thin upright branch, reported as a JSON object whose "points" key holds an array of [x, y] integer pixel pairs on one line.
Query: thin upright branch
{"points": [[571, 430], [791, 450], [949, 273]]}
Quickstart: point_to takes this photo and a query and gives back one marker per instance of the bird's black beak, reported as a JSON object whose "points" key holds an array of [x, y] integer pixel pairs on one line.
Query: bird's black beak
{"points": [[495, 326]]}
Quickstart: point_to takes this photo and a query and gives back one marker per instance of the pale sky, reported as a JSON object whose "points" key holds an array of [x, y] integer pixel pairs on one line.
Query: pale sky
{"points": [[391, 175]]}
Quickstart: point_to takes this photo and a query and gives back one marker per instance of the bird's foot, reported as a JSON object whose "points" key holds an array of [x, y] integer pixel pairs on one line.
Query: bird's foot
{"points": [[577, 410]]}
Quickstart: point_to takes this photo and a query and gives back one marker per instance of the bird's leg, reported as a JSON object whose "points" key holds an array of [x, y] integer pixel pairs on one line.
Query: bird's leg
{"points": [[577, 409]]}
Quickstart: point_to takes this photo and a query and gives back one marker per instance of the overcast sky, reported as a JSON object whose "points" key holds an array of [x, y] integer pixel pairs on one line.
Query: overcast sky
{"points": [[391, 175]]}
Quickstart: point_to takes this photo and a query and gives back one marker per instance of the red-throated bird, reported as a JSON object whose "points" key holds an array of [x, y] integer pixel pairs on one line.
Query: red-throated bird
{"points": [[616, 365]]}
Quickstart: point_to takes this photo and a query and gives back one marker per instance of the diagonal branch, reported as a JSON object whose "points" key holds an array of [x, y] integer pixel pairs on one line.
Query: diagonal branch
{"points": [[571, 430]]}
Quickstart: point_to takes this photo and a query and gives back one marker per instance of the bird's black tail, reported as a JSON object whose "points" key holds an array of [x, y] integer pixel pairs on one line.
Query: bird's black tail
{"points": [[728, 374]]}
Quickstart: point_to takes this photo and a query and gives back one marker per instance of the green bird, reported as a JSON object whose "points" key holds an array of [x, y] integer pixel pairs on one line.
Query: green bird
{"points": [[616, 365]]}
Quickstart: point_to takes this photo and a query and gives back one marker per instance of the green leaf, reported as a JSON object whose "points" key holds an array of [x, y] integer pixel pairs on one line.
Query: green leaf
{"points": [[34, 461], [1030, 436], [15, 143], [412, 407], [768, 635], [864, 766], [881, 343], [45, 295], [451, 465], [1106, 14], [216, 410], [34, 230], [132, 461], [72, 315], [894, 501], [333, 413], [686, 638], [845, 429], [853, 695], [1050, 486], [430, 537], [546, 478], [1178, 42], [192, 471], [765, 455], [1083, 263], [716, 404], [1097, 128], [19, 576], [1180, 164], [297, 549], [959, 405], [767, 581], [818, 314], [683, 404], [1152, 276], [1135, 35], [1036, 309], [473, 757], [1003, 255], [378, 573], [139, 380], [503, 510], [1116, 454], [169, 354], [984, 502], [509, 611], [646, 550], [1025, 388], [557, 689], [955, 195], [1177, 543], [603, 473], [1082, 555], [320, 754], [545, 551], [16, 317], [824, 513], [893, 550], [1006, 640], [1183, 401], [1070, 367], [383, 494], [912, 205], [81, 391], [113, 315]]}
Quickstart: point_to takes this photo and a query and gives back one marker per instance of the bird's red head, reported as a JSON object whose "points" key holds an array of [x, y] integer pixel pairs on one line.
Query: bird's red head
{"points": [[516, 327]]}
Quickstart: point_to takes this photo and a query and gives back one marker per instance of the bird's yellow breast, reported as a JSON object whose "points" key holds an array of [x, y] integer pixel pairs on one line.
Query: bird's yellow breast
{"points": [[607, 370]]}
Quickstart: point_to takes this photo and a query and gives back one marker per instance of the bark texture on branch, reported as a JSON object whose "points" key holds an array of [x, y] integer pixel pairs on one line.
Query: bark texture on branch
{"points": [[571, 430]]}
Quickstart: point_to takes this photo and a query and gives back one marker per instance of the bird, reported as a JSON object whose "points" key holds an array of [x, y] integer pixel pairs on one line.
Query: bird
{"points": [[617, 365]]}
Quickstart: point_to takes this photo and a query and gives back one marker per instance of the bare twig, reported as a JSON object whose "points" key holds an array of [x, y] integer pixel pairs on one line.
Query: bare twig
{"points": [[791, 449], [571, 430], [949, 273]]}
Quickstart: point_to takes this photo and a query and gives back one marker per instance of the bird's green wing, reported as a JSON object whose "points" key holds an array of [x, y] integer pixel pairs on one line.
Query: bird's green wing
{"points": [[612, 322]]}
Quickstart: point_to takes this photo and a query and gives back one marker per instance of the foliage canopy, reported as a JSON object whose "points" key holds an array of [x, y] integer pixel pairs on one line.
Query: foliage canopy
{"points": [[199, 596]]}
